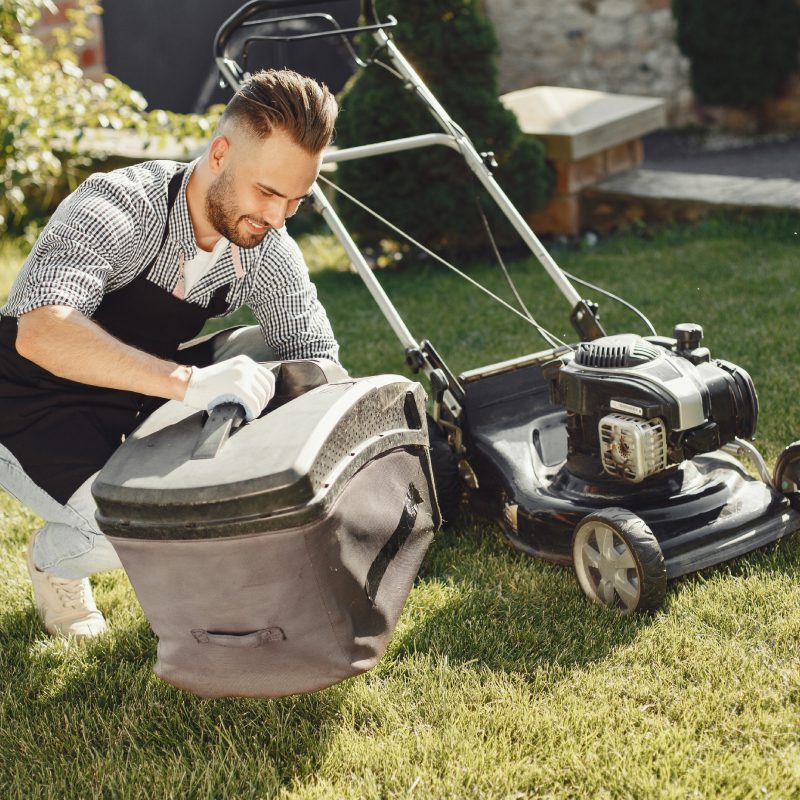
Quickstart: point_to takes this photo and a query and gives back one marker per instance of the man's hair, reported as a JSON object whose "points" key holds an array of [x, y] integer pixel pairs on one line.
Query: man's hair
{"points": [[284, 100]]}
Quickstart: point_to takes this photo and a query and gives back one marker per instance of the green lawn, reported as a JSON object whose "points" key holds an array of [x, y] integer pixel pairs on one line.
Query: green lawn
{"points": [[502, 681]]}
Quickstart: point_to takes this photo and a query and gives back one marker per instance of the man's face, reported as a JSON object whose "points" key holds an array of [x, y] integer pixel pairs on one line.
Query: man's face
{"points": [[257, 185]]}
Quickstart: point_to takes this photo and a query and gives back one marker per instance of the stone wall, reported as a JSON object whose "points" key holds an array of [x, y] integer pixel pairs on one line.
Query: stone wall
{"points": [[623, 46]]}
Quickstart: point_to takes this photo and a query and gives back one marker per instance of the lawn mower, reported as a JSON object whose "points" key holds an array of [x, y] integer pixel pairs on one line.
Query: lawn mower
{"points": [[617, 454]]}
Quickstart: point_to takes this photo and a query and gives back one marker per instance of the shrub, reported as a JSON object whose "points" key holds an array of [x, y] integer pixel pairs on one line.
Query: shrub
{"points": [[741, 53], [47, 104], [427, 192]]}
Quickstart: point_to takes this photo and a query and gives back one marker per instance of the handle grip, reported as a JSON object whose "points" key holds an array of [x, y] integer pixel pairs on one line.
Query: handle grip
{"points": [[222, 420], [255, 7], [249, 639]]}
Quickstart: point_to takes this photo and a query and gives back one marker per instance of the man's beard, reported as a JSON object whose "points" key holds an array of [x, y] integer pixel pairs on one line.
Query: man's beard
{"points": [[223, 213]]}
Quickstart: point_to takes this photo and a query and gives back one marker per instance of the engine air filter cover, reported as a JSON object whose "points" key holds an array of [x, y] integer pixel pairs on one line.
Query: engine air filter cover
{"points": [[631, 448]]}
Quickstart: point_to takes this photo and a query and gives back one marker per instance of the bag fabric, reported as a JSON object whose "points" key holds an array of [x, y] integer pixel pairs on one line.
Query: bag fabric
{"points": [[290, 611]]}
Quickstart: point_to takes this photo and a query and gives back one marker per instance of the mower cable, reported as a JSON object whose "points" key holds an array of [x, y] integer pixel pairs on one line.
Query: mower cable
{"points": [[625, 303], [509, 279], [544, 333], [373, 60]]}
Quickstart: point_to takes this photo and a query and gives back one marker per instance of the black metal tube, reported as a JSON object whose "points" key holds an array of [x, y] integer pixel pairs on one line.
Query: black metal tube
{"points": [[247, 11]]}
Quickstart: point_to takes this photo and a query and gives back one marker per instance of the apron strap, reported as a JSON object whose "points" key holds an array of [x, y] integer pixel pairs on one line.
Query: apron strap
{"points": [[172, 195]]}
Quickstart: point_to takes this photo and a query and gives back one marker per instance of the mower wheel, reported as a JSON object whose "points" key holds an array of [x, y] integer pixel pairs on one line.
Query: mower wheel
{"points": [[787, 473], [445, 473], [618, 561]]}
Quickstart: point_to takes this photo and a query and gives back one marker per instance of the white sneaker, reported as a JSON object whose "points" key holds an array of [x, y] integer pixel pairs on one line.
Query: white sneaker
{"points": [[66, 607]]}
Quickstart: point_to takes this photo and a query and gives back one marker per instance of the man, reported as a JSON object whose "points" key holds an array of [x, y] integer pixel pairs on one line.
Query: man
{"points": [[96, 332]]}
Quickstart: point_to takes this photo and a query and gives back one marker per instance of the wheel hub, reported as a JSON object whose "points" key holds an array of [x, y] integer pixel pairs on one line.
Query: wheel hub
{"points": [[607, 567]]}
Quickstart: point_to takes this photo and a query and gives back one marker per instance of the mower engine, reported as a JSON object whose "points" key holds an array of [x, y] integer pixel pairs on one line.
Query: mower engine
{"points": [[639, 406]]}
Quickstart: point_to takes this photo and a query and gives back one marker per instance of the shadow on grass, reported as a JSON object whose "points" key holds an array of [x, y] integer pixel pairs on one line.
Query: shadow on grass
{"points": [[478, 603], [68, 704], [493, 606]]}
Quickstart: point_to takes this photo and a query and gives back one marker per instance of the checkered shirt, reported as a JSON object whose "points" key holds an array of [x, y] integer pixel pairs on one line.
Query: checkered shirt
{"points": [[110, 228]]}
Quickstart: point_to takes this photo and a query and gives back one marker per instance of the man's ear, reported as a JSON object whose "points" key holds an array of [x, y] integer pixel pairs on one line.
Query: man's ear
{"points": [[218, 153]]}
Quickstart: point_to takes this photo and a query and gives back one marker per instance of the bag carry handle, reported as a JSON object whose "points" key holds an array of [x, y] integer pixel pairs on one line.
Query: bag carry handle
{"points": [[222, 419], [292, 378], [252, 639]]}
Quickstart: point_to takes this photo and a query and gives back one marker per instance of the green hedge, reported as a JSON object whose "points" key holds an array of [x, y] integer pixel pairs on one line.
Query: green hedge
{"points": [[741, 52], [46, 106], [428, 192]]}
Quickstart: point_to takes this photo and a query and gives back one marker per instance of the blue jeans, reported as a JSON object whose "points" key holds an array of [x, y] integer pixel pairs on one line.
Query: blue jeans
{"points": [[70, 545]]}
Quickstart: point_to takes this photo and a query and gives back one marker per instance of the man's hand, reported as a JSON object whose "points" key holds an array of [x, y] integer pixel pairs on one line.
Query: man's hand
{"points": [[235, 380]]}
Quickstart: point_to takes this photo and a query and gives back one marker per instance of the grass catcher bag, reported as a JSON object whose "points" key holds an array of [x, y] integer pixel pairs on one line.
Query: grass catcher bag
{"points": [[274, 558]]}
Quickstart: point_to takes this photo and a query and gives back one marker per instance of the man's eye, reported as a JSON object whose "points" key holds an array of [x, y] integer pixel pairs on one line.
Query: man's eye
{"points": [[266, 193]]}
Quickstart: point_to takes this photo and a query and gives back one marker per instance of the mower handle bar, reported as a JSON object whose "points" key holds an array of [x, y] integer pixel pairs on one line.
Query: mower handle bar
{"points": [[583, 315], [255, 7]]}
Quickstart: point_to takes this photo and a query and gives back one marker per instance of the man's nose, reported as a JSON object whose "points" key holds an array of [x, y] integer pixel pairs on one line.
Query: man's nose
{"points": [[276, 211]]}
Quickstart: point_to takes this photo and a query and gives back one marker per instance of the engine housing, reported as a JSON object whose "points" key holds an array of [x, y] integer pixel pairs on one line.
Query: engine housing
{"points": [[638, 406]]}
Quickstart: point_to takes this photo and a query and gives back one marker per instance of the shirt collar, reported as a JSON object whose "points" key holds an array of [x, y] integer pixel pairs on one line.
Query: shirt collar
{"points": [[180, 223]]}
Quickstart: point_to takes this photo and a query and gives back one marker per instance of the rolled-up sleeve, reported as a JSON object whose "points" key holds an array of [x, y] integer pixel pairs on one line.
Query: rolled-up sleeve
{"points": [[285, 302], [90, 235]]}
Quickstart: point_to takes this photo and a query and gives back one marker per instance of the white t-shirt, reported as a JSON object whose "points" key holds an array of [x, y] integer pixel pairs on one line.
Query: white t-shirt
{"points": [[195, 268]]}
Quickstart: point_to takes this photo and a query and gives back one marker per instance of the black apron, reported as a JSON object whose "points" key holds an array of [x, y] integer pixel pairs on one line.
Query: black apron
{"points": [[61, 431]]}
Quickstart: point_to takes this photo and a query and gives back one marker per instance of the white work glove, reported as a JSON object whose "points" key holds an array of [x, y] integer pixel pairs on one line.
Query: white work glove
{"points": [[235, 380]]}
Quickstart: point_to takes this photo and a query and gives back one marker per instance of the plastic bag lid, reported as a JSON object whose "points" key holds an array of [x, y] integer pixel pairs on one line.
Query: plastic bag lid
{"points": [[166, 481]]}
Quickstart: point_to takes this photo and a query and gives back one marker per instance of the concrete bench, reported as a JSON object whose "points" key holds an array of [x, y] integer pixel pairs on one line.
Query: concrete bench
{"points": [[589, 136]]}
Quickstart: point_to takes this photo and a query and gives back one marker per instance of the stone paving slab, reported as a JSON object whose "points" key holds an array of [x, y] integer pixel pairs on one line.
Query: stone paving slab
{"points": [[721, 190]]}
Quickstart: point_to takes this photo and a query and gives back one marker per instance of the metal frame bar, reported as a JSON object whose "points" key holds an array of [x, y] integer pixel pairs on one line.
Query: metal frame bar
{"points": [[298, 37], [338, 229], [741, 447], [391, 146], [475, 163], [453, 137]]}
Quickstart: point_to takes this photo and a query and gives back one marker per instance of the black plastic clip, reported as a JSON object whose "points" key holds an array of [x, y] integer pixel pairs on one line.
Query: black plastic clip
{"points": [[414, 359], [489, 161], [585, 320], [439, 384]]}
